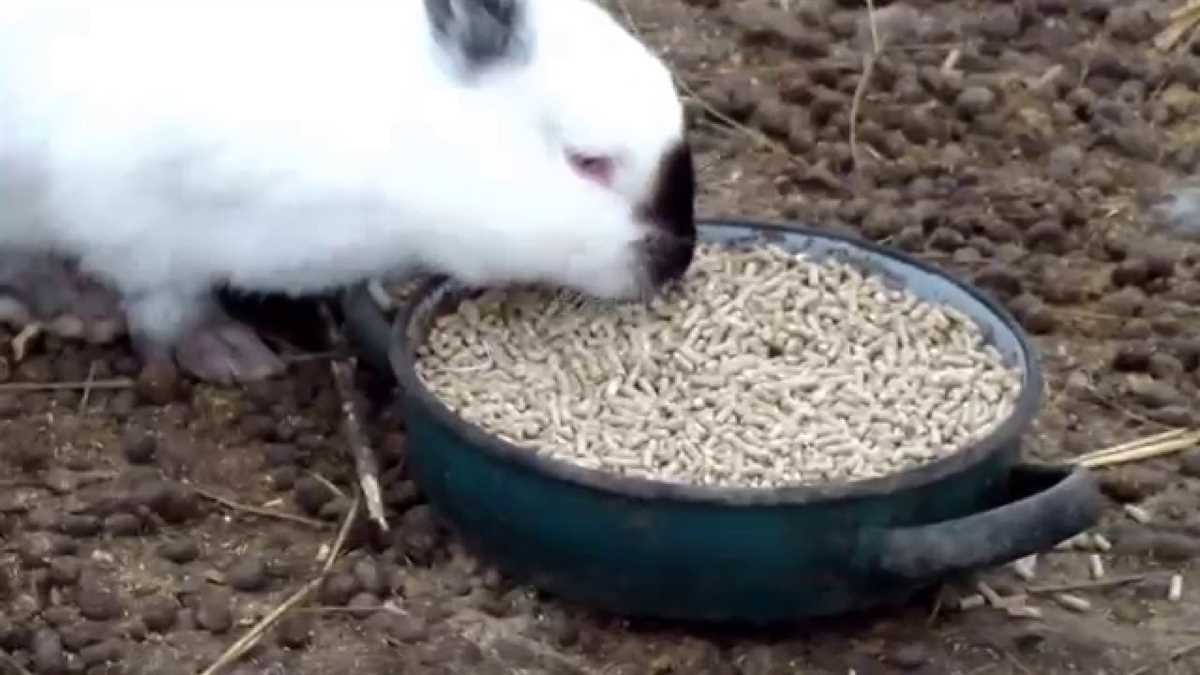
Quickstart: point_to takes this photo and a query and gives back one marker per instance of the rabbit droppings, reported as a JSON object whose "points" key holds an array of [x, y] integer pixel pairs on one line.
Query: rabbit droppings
{"points": [[173, 148]]}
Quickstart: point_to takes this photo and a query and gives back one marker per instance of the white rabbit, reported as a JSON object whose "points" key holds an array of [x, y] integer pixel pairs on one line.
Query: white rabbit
{"points": [[173, 147]]}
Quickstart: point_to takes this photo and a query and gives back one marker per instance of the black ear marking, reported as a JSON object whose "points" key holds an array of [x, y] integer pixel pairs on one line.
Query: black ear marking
{"points": [[478, 33]]}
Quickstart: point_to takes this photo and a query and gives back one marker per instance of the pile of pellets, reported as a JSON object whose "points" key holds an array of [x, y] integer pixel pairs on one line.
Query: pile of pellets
{"points": [[761, 368]]}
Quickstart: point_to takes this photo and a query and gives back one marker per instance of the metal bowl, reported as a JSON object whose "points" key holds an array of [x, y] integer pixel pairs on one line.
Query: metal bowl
{"points": [[641, 547]]}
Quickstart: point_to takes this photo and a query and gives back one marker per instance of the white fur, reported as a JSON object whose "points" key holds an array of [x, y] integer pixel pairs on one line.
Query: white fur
{"points": [[1182, 212], [293, 147]]}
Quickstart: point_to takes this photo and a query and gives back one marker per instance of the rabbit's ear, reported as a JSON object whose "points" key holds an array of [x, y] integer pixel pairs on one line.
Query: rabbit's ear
{"points": [[479, 33]]}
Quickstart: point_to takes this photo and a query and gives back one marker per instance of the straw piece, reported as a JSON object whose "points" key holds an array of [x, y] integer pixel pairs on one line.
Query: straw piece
{"points": [[256, 632], [358, 446], [1137, 442], [1152, 446], [1182, 20], [1088, 585]]}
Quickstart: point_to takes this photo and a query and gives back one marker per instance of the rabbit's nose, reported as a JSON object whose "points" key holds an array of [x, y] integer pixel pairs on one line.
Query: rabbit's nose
{"points": [[668, 257]]}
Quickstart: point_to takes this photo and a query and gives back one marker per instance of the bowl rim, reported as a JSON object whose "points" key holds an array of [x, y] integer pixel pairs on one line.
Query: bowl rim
{"points": [[402, 358]]}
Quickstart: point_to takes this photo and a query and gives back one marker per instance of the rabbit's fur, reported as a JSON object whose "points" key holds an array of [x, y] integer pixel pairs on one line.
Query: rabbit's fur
{"points": [[1180, 212], [296, 147]]}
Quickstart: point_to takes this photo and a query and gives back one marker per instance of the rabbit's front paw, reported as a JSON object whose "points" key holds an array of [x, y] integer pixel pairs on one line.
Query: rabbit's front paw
{"points": [[50, 291], [225, 351], [172, 327]]}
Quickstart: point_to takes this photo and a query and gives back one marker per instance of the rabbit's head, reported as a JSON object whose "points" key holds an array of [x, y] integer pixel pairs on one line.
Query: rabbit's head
{"points": [[605, 173]]}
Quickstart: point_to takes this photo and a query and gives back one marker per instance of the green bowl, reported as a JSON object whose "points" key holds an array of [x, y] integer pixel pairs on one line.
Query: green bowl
{"points": [[640, 547]]}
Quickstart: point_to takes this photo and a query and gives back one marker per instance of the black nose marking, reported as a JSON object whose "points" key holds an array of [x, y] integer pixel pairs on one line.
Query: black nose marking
{"points": [[672, 211], [672, 205]]}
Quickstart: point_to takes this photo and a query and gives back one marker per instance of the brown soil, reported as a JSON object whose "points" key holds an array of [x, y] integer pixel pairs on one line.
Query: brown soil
{"points": [[1016, 144]]}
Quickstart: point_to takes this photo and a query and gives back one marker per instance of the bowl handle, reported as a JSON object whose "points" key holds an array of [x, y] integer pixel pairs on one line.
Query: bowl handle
{"points": [[1048, 505], [367, 328]]}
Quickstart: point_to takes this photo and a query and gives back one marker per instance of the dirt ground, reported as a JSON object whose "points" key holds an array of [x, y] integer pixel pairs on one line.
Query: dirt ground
{"points": [[1014, 143]]}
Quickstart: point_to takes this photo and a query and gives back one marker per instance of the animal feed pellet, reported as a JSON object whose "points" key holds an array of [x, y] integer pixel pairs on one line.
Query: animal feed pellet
{"points": [[761, 368]]}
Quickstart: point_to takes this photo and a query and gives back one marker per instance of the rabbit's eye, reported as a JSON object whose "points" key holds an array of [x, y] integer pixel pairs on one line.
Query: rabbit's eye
{"points": [[592, 167]]}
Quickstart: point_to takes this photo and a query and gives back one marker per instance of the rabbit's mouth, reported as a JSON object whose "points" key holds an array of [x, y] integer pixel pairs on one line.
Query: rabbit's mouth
{"points": [[666, 258]]}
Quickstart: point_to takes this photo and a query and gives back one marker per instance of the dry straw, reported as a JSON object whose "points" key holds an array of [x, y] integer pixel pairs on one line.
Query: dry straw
{"points": [[1157, 445]]}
